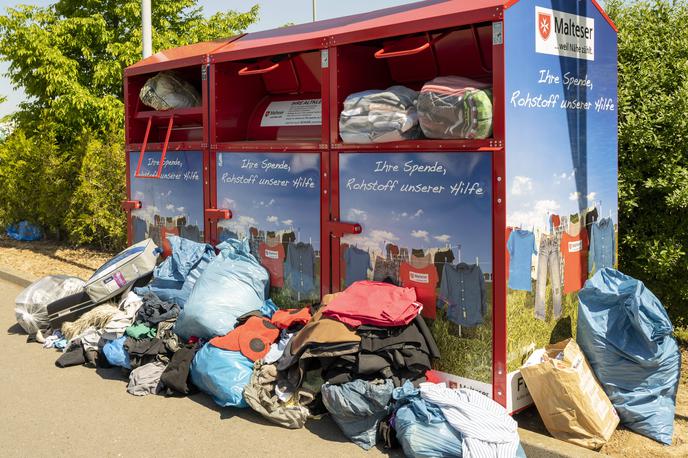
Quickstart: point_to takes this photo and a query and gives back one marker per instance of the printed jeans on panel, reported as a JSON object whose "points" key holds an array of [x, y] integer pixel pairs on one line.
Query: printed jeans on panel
{"points": [[549, 261]]}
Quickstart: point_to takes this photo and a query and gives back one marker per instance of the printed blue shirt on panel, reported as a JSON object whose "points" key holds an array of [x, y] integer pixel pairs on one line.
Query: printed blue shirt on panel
{"points": [[602, 252], [521, 246]]}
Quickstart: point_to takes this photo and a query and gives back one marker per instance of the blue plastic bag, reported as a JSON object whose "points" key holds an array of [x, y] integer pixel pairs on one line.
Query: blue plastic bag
{"points": [[421, 428], [231, 285], [222, 374], [24, 232], [358, 407], [174, 278], [116, 354], [626, 335], [268, 309]]}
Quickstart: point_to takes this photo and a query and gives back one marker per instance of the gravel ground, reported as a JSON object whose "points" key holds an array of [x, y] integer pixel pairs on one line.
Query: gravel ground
{"points": [[38, 259]]}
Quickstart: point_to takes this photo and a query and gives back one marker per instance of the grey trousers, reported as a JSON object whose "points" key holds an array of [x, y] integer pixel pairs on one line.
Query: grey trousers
{"points": [[549, 261]]}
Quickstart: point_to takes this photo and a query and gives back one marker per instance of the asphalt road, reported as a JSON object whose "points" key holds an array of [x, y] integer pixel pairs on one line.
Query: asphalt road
{"points": [[48, 411]]}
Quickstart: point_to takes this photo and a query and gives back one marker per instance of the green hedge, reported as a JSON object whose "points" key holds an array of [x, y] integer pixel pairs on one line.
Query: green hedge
{"points": [[72, 192], [653, 147]]}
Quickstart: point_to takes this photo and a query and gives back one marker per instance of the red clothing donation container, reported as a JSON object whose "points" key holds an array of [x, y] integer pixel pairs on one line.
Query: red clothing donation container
{"points": [[461, 220]]}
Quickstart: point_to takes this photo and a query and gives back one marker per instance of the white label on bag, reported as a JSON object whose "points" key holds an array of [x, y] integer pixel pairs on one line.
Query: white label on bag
{"points": [[576, 246], [306, 112], [110, 284], [419, 278]]}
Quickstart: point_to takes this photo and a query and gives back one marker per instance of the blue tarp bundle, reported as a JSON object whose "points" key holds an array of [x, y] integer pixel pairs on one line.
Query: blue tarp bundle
{"points": [[233, 284], [175, 277], [626, 335], [24, 232], [222, 374]]}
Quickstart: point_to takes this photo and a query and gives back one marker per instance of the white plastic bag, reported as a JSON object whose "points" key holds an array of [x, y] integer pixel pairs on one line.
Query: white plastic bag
{"points": [[167, 90], [31, 305]]}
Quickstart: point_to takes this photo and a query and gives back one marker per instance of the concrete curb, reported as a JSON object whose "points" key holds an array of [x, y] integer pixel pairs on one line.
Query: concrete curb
{"points": [[18, 278], [535, 445]]}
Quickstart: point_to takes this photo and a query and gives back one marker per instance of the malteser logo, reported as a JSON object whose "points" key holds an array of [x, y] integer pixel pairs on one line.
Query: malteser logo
{"points": [[564, 34], [544, 25]]}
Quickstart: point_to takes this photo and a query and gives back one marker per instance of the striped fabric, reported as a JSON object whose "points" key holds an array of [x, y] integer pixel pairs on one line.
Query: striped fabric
{"points": [[488, 431]]}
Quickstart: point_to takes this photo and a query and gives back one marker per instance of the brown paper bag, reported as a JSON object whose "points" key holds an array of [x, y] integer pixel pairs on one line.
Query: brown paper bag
{"points": [[571, 402]]}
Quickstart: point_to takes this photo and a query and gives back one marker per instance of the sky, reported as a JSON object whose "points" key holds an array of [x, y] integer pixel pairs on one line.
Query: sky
{"points": [[274, 13]]}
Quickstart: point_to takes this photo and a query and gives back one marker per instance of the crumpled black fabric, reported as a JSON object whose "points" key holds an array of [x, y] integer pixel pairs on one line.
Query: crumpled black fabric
{"points": [[397, 353], [387, 434], [144, 351], [73, 356], [154, 310], [175, 378]]}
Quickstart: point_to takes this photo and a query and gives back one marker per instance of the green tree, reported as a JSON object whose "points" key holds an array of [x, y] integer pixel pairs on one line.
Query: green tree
{"points": [[57, 167], [69, 57], [653, 134]]}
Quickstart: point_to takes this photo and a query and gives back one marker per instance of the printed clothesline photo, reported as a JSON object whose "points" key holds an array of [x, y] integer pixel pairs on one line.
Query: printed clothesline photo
{"points": [[573, 248], [462, 289]]}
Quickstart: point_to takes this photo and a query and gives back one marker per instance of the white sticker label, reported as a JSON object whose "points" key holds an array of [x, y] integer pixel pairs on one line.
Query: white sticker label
{"points": [[563, 34], [272, 254], [576, 246], [306, 112], [419, 277], [110, 284]]}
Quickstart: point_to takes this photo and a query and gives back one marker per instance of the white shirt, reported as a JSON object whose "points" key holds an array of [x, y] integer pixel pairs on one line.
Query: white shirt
{"points": [[487, 429]]}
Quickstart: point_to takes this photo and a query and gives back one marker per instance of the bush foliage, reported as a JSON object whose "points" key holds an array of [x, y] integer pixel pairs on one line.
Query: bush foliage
{"points": [[653, 141]]}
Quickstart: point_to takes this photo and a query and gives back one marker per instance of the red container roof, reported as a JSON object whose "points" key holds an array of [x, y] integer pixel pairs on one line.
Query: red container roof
{"points": [[195, 54], [406, 19]]}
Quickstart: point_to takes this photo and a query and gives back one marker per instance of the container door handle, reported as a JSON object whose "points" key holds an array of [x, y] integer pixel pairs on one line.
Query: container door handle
{"points": [[382, 54], [339, 229], [137, 174], [246, 71], [218, 213], [129, 205]]}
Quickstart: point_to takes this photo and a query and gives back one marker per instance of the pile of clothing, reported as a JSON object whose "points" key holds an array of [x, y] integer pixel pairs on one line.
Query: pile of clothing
{"points": [[448, 107], [361, 356]]}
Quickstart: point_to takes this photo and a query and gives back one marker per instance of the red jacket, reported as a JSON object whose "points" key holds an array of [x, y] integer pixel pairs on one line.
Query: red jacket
{"points": [[374, 303]]}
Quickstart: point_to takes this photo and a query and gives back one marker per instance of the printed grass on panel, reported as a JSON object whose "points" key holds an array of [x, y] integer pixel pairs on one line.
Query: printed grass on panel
{"points": [[526, 333]]}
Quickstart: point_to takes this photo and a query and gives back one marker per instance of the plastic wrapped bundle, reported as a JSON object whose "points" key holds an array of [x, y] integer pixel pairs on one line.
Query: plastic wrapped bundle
{"points": [[31, 305], [625, 333], [377, 116], [452, 107], [231, 285], [167, 91]]}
